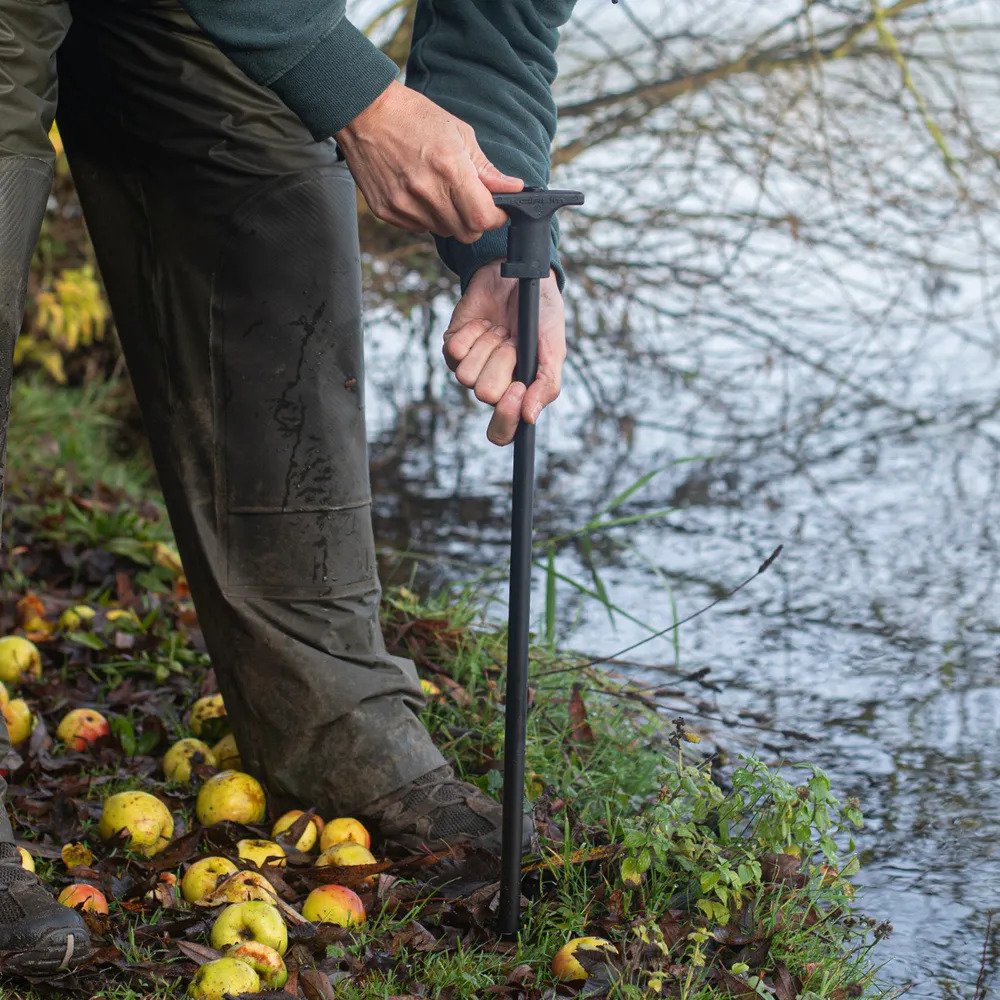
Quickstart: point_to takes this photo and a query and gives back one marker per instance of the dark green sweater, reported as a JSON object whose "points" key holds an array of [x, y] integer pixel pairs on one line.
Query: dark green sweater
{"points": [[490, 62]]}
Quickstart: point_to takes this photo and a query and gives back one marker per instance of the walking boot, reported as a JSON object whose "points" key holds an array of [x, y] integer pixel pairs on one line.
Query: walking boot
{"points": [[38, 936], [437, 811]]}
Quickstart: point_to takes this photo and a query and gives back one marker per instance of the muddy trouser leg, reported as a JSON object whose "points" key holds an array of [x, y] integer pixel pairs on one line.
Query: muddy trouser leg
{"points": [[228, 244], [30, 33]]}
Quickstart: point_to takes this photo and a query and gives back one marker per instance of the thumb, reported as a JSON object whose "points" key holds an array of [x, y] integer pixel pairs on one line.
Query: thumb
{"points": [[494, 180]]}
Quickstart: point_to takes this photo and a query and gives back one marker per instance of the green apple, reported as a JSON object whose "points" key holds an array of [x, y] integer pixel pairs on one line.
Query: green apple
{"points": [[265, 961], [214, 980], [253, 921], [204, 876]]}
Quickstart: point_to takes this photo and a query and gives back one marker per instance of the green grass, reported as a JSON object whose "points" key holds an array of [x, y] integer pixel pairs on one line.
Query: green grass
{"points": [[640, 843]]}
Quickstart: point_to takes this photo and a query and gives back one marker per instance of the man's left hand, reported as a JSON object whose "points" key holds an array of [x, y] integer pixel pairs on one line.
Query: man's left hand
{"points": [[480, 348]]}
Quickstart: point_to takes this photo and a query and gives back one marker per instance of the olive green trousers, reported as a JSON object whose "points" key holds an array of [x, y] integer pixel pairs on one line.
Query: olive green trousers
{"points": [[227, 240]]}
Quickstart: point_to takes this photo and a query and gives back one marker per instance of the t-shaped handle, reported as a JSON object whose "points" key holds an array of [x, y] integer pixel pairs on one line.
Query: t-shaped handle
{"points": [[528, 240]]}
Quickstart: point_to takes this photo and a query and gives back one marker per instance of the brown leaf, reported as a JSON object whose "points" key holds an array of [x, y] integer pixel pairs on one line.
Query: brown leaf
{"points": [[580, 731], [786, 986], [315, 985], [199, 953]]}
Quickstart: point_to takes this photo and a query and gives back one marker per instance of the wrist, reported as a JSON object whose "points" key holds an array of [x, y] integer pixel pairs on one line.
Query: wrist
{"points": [[363, 121]]}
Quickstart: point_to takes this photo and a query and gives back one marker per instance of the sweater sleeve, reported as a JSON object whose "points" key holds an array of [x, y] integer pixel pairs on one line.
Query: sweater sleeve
{"points": [[492, 64], [306, 51]]}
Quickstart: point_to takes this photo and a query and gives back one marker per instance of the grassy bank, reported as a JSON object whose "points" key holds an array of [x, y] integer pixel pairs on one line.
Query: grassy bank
{"points": [[708, 883]]}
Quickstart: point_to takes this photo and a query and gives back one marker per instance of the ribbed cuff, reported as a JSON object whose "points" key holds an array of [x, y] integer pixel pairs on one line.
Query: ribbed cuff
{"points": [[335, 80], [466, 258]]}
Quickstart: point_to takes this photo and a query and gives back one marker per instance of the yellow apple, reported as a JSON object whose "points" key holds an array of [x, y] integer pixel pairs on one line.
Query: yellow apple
{"points": [[430, 689], [204, 876], [334, 904], [309, 836], [230, 795], [244, 887], [348, 855], [27, 861], [81, 896], [227, 754], [81, 727], [344, 830], [565, 966], [208, 717], [4, 694], [223, 977], [261, 852], [20, 721], [253, 921], [76, 617], [183, 756], [144, 816], [19, 660], [265, 961]]}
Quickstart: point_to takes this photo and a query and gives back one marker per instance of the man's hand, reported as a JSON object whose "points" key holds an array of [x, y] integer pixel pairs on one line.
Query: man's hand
{"points": [[480, 348], [421, 168]]}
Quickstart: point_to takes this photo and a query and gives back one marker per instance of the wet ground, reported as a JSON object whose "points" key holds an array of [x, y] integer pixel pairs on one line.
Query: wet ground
{"points": [[877, 633]]}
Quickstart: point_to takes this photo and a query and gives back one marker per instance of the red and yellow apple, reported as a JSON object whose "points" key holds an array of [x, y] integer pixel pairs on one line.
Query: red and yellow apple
{"points": [[204, 876], [230, 795], [344, 830], [265, 961], [253, 921], [82, 727], [81, 896], [19, 660], [334, 904], [147, 820], [184, 755], [223, 977]]}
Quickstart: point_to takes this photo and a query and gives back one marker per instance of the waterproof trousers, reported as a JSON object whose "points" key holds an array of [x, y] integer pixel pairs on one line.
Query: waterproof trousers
{"points": [[227, 241]]}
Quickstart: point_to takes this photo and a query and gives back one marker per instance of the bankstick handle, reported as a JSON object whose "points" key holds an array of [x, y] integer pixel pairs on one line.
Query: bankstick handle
{"points": [[528, 260]]}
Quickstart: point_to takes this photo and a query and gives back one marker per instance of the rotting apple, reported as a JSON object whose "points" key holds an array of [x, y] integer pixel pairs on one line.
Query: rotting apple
{"points": [[208, 717], [227, 754], [334, 904], [204, 876], [80, 896], [81, 727], [253, 921], [147, 820], [243, 887], [230, 795], [344, 830], [261, 852], [264, 960], [19, 660], [184, 755], [310, 834], [565, 965], [223, 977]]}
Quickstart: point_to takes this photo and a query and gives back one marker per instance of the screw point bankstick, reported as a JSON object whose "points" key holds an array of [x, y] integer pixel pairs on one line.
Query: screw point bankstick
{"points": [[528, 241]]}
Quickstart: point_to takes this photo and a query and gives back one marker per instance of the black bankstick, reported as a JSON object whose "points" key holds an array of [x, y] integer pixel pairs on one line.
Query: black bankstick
{"points": [[528, 241]]}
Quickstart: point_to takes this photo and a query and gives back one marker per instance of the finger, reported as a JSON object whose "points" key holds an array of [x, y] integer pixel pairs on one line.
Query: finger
{"points": [[506, 415], [472, 364], [496, 181], [544, 390], [495, 378], [458, 342], [474, 204]]}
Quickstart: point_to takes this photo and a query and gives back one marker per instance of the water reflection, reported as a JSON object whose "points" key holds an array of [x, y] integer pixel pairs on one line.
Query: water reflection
{"points": [[877, 632]]}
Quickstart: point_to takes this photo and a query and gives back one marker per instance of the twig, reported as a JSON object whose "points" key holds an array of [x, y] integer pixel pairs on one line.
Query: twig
{"points": [[980, 993]]}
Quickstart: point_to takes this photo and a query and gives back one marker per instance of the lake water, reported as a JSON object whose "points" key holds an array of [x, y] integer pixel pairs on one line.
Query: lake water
{"points": [[877, 632]]}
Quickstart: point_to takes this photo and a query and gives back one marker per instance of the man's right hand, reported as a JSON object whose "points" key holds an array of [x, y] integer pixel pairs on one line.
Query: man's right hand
{"points": [[420, 168]]}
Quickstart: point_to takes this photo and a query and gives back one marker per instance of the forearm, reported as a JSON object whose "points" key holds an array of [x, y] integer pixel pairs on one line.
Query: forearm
{"points": [[492, 65]]}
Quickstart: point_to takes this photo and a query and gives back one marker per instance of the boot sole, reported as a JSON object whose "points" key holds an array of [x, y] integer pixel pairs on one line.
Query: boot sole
{"points": [[56, 952]]}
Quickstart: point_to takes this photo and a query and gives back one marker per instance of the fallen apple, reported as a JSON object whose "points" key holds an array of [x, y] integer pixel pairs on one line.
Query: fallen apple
{"points": [[81, 896], [309, 836], [82, 727], [566, 967], [230, 795], [27, 861], [204, 876], [348, 855], [4, 694], [208, 717], [261, 852], [430, 689], [223, 977], [334, 904], [183, 756], [19, 719], [227, 754], [344, 830], [75, 618], [147, 820], [265, 961], [253, 921], [19, 659], [244, 887]]}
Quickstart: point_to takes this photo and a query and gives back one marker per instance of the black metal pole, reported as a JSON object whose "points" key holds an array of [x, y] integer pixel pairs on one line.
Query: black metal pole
{"points": [[519, 621]]}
